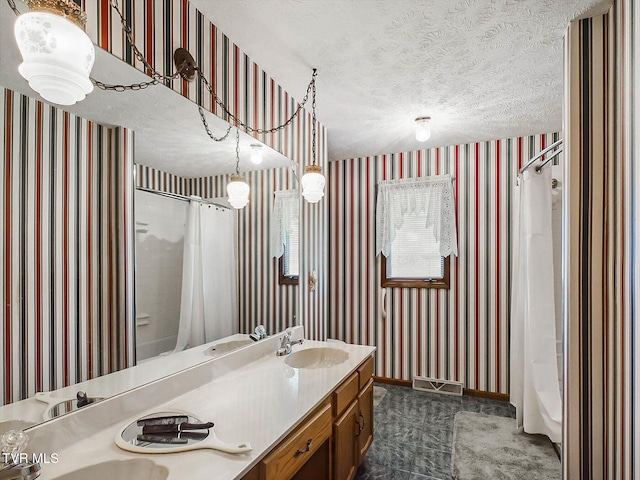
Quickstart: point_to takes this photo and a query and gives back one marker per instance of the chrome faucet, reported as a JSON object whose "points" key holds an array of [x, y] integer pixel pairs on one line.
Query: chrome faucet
{"points": [[15, 464], [259, 333], [286, 343]]}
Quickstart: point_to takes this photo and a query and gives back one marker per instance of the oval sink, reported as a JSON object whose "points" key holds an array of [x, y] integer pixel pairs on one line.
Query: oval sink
{"points": [[316, 358], [226, 347], [140, 469]]}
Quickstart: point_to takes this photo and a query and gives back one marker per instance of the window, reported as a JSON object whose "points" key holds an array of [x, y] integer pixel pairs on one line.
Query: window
{"points": [[289, 261], [284, 235], [415, 232]]}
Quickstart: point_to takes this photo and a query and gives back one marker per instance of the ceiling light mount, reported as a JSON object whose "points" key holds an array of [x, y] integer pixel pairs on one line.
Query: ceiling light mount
{"points": [[185, 64], [423, 129]]}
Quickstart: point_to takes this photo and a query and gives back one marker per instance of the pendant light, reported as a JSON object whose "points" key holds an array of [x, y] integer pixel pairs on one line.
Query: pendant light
{"points": [[237, 188], [313, 181], [57, 54], [423, 130]]}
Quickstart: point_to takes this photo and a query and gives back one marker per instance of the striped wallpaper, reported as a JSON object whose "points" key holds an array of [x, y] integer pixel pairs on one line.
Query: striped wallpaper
{"points": [[249, 92], [66, 242], [457, 334], [601, 437]]}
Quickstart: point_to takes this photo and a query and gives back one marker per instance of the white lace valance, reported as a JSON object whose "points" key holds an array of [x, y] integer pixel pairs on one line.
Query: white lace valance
{"points": [[430, 195], [286, 213]]}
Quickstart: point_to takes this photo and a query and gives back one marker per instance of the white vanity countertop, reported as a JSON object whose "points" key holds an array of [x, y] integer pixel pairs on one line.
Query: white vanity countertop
{"points": [[259, 402]]}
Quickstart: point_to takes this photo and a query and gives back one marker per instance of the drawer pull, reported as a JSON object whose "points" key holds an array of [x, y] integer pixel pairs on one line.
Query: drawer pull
{"points": [[363, 422], [306, 449]]}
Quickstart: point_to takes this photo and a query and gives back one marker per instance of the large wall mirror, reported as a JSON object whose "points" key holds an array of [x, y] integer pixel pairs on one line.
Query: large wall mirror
{"points": [[173, 159]]}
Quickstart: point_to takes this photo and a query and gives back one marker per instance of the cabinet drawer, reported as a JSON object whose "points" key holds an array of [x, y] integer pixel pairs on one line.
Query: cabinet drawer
{"points": [[365, 372], [290, 455], [345, 394]]}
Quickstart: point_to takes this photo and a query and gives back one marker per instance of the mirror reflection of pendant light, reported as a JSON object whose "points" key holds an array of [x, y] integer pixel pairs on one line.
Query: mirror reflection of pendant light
{"points": [[423, 130], [256, 153], [313, 181], [237, 188], [57, 54]]}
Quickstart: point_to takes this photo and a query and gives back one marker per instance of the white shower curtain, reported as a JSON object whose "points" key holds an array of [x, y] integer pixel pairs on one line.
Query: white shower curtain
{"points": [[208, 309], [535, 391]]}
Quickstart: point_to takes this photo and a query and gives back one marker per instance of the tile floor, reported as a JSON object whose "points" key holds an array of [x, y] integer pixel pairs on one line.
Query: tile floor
{"points": [[413, 433]]}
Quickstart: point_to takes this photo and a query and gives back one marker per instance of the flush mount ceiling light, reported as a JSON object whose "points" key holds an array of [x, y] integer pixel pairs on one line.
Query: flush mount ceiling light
{"points": [[423, 130], [237, 188], [256, 153], [57, 54], [313, 181]]}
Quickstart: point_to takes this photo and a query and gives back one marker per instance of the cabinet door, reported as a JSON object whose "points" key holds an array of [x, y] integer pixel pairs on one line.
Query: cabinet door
{"points": [[345, 452], [365, 420]]}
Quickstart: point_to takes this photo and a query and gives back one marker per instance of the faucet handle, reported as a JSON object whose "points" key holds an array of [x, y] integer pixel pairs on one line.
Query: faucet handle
{"points": [[13, 443]]}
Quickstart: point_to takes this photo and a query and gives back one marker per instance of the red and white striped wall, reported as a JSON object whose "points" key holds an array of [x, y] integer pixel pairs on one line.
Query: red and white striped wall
{"points": [[66, 243], [602, 397], [249, 92], [459, 334]]}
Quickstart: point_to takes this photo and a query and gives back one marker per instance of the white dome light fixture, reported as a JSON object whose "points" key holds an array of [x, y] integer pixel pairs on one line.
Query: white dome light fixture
{"points": [[238, 191], [57, 54], [313, 181], [237, 188], [423, 130], [313, 184], [256, 153]]}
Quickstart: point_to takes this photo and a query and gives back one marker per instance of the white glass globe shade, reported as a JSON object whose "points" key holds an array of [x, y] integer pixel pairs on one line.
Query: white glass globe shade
{"points": [[57, 57], [423, 130], [312, 186], [238, 192]]}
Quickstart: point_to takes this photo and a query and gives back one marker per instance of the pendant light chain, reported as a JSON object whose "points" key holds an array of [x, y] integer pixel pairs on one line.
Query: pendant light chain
{"points": [[247, 128], [155, 75], [206, 127], [237, 152], [12, 6], [313, 127]]}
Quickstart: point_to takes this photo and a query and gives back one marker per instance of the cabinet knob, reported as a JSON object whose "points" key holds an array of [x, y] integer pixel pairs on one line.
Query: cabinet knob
{"points": [[305, 450]]}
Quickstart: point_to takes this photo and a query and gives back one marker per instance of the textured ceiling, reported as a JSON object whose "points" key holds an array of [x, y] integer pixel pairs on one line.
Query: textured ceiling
{"points": [[169, 133], [482, 69]]}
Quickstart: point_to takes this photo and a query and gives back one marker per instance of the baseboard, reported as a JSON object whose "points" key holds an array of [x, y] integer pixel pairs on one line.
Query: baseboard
{"points": [[392, 381], [504, 397]]}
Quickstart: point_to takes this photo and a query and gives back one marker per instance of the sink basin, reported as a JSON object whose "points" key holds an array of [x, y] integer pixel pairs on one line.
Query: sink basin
{"points": [[140, 469], [226, 347], [316, 358]]}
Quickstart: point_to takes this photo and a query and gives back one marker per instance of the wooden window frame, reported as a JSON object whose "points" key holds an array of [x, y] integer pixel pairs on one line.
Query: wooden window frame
{"points": [[285, 279], [442, 283]]}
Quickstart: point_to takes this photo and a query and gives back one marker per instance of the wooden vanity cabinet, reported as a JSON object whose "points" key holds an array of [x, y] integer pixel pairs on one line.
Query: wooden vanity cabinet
{"points": [[353, 429], [331, 442]]}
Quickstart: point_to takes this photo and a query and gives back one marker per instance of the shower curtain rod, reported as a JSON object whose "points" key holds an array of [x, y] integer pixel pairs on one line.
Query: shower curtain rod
{"points": [[543, 152], [181, 197]]}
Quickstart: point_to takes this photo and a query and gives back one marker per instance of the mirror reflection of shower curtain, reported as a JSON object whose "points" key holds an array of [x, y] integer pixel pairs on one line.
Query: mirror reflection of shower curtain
{"points": [[209, 305], [535, 391]]}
